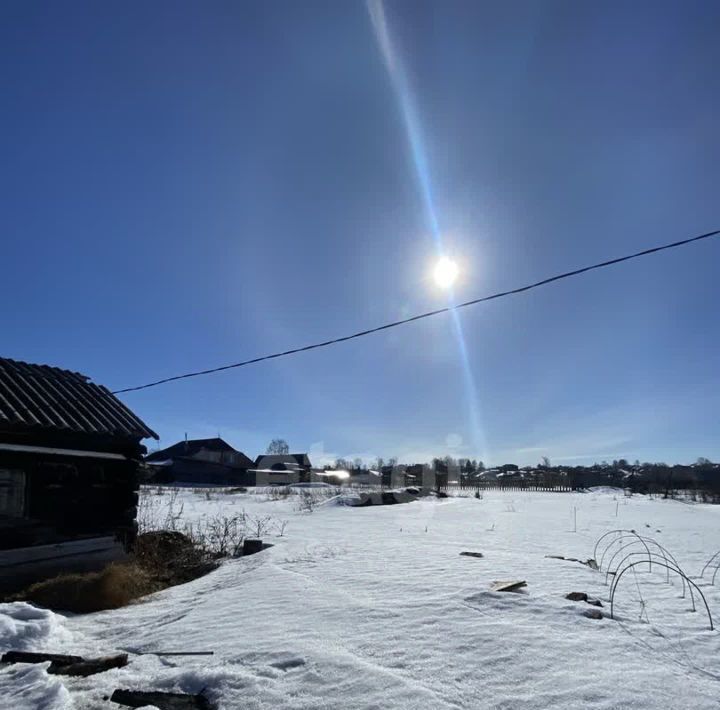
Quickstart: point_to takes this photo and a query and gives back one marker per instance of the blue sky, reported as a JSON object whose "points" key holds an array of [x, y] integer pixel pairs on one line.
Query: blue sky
{"points": [[184, 185]]}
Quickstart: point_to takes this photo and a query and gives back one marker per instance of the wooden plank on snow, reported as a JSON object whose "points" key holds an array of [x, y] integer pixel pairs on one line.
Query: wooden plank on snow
{"points": [[508, 586]]}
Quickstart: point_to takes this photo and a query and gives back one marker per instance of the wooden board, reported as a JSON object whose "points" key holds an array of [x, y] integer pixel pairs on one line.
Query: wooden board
{"points": [[29, 657], [61, 664], [163, 701], [508, 586], [89, 666]]}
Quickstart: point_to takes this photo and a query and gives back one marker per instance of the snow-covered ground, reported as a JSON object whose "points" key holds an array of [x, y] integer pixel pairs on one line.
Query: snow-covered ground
{"points": [[375, 608]]}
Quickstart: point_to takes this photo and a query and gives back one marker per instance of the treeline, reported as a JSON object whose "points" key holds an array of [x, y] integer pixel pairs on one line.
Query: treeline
{"points": [[698, 481]]}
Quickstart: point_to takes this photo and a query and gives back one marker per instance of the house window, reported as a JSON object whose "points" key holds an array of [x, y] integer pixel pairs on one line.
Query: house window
{"points": [[12, 493]]}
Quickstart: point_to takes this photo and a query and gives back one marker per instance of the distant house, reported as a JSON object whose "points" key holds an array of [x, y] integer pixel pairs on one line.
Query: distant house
{"points": [[69, 458], [280, 469], [200, 462], [420, 475], [400, 476], [301, 461], [391, 474], [365, 477]]}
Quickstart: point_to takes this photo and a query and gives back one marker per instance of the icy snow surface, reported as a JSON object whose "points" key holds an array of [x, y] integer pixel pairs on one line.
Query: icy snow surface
{"points": [[375, 608]]}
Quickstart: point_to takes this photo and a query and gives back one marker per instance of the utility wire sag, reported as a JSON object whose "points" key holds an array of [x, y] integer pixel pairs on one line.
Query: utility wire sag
{"points": [[421, 316]]}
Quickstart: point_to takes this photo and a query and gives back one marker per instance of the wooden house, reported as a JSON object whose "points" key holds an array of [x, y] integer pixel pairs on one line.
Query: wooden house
{"points": [[280, 470], [400, 475], [365, 477], [69, 456], [299, 461], [200, 462]]}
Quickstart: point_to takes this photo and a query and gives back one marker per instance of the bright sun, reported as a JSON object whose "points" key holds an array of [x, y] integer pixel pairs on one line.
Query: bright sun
{"points": [[445, 273]]}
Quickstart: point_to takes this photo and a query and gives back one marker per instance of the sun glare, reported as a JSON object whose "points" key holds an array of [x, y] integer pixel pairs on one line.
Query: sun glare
{"points": [[445, 273]]}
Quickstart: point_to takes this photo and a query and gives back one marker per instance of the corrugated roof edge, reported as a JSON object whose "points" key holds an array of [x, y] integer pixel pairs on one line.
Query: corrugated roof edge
{"points": [[96, 402]]}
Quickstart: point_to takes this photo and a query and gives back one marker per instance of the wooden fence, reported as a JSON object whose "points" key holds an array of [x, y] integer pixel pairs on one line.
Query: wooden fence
{"points": [[549, 484]]}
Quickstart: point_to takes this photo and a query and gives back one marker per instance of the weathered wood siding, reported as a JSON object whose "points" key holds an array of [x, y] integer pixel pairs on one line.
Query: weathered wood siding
{"points": [[70, 497], [21, 566]]}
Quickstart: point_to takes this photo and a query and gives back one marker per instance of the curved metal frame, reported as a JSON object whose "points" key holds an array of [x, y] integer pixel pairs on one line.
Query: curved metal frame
{"points": [[715, 574], [668, 566], [601, 538], [622, 532], [635, 541], [709, 562], [672, 569], [666, 554], [624, 547]]}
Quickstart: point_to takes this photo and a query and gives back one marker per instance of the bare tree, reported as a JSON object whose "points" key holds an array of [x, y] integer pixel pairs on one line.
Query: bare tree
{"points": [[544, 462], [278, 446]]}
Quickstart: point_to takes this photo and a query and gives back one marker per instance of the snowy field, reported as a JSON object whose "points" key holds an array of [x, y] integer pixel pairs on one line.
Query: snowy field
{"points": [[375, 608]]}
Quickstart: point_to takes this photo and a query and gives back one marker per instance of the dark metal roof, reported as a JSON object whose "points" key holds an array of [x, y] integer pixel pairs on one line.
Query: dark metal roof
{"points": [[268, 460], [189, 447], [192, 446], [44, 397]]}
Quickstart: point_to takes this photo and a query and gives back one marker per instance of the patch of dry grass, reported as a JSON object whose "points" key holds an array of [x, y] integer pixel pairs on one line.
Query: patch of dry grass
{"points": [[159, 560], [115, 586]]}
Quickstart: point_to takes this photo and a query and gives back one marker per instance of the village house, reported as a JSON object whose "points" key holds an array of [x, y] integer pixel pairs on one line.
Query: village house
{"points": [[200, 462], [365, 477], [69, 458], [301, 461], [420, 475], [280, 469]]}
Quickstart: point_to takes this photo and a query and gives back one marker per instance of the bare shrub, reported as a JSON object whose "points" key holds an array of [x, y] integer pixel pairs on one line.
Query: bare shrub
{"points": [[218, 535], [175, 509], [160, 509], [148, 511], [277, 493], [225, 534], [306, 501], [259, 525], [171, 557], [309, 498]]}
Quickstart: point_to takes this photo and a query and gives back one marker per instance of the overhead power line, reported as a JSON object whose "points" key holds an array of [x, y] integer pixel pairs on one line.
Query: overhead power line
{"points": [[421, 316]]}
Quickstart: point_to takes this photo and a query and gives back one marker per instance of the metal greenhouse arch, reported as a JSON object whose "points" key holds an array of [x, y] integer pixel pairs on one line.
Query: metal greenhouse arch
{"points": [[672, 569]]}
